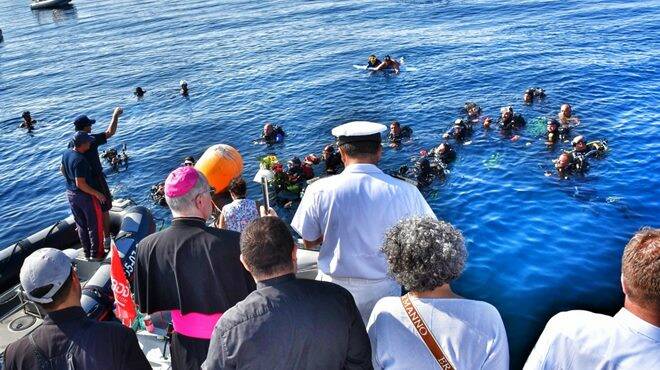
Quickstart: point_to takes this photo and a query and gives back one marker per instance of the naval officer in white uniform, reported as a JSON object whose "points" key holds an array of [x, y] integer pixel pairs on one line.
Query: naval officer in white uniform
{"points": [[630, 339], [348, 215]]}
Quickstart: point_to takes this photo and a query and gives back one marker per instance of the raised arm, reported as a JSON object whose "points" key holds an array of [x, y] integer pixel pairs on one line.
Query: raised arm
{"points": [[112, 128]]}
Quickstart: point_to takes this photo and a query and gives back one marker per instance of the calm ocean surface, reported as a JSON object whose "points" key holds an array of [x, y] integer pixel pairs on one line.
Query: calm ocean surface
{"points": [[537, 245]]}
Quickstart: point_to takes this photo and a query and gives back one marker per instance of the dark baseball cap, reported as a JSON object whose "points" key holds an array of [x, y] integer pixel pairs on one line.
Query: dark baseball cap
{"points": [[81, 137], [83, 121]]}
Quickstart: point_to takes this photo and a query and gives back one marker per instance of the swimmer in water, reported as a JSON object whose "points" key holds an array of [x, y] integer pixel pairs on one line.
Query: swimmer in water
{"points": [[472, 110], [28, 122], [509, 120], [398, 133], [443, 153], [272, 134], [566, 117], [389, 63], [565, 165], [188, 161], [531, 93], [184, 87], [459, 132], [332, 160], [373, 61], [552, 132], [584, 149], [139, 92]]}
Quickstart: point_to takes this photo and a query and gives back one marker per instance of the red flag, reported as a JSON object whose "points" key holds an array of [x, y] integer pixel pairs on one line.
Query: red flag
{"points": [[124, 304]]}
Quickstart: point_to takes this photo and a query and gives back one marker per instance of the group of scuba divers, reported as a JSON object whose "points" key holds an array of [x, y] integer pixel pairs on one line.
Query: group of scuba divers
{"points": [[289, 181], [433, 163]]}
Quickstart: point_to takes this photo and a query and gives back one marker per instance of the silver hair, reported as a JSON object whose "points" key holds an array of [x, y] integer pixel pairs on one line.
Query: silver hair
{"points": [[424, 253], [186, 202], [508, 108]]}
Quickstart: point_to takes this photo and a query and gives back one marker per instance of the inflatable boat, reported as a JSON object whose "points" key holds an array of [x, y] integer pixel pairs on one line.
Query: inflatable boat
{"points": [[129, 223], [48, 4], [18, 316]]}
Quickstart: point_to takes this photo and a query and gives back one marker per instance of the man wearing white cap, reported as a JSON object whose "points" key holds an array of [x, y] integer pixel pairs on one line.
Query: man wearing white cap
{"points": [[348, 215], [68, 339]]}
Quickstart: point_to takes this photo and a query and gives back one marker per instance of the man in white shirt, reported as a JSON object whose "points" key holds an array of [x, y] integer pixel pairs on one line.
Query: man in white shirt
{"points": [[630, 339], [349, 213]]}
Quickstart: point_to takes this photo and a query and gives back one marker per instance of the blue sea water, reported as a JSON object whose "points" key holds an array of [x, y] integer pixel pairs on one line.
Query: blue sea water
{"points": [[537, 245]]}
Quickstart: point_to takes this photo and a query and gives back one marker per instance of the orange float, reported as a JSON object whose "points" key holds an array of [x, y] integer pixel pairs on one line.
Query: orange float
{"points": [[220, 164]]}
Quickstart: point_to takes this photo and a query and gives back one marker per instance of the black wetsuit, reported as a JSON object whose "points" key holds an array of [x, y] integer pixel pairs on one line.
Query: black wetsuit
{"points": [[460, 132], [375, 64], [446, 157], [272, 138], [404, 133], [333, 164], [516, 122]]}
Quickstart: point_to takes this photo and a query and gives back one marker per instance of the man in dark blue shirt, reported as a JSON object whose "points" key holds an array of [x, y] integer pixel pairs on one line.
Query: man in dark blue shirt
{"points": [[287, 323], [67, 339], [85, 201], [84, 124]]}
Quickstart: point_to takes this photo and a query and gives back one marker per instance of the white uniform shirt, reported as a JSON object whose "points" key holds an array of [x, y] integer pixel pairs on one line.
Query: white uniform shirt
{"points": [[352, 211], [470, 333], [585, 340]]}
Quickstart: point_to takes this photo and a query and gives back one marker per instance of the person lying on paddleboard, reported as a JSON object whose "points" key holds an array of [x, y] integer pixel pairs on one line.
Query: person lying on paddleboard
{"points": [[389, 63], [373, 61]]}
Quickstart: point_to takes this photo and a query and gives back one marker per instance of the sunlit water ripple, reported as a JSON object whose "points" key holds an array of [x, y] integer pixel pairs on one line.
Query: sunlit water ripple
{"points": [[536, 245]]}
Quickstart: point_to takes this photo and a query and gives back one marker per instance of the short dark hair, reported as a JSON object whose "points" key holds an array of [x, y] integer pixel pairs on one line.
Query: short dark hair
{"points": [[61, 294], [266, 245], [238, 187], [361, 148], [640, 266]]}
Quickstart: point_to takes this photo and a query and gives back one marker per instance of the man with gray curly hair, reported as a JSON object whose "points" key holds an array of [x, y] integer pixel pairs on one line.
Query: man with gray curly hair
{"points": [[425, 256], [629, 340]]}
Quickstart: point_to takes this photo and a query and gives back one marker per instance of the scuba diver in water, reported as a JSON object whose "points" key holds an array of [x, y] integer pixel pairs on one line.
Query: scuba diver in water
{"points": [[139, 92], [332, 160], [460, 131], [115, 159], [28, 123], [443, 153], [509, 120], [422, 174], [566, 117], [374, 62], [584, 149], [531, 93], [472, 110], [272, 134], [552, 134], [398, 133], [184, 88], [389, 63], [567, 166], [158, 194], [188, 161]]}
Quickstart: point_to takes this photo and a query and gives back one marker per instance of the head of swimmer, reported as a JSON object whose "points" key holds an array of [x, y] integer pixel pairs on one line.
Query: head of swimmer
{"points": [[328, 151], [387, 58], [441, 148], [579, 143], [566, 110], [552, 125], [395, 128], [268, 129], [528, 96], [507, 113], [27, 117], [563, 161], [372, 59]]}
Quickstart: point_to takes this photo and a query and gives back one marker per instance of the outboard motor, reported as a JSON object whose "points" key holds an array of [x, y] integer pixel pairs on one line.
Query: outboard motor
{"points": [[97, 297]]}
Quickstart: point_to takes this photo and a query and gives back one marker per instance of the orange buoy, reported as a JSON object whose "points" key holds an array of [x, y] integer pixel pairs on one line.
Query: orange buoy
{"points": [[220, 164]]}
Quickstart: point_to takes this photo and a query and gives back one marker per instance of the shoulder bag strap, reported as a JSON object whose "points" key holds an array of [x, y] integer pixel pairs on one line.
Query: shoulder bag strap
{"points": [[426, 334], [44, 364]]}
